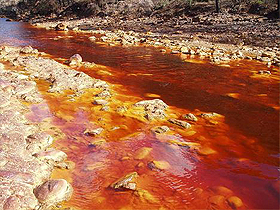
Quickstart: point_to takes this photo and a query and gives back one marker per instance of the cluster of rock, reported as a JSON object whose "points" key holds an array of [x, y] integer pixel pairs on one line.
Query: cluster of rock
{"points": [[179, 42], [60, 76], [25, 160]]}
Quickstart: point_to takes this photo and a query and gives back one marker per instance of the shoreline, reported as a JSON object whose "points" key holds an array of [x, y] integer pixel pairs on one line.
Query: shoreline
{"points": [[175, 42]]}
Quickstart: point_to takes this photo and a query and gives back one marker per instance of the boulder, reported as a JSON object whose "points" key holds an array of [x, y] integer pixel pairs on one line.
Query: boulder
{"points": [[75, 60], [53, 191]]}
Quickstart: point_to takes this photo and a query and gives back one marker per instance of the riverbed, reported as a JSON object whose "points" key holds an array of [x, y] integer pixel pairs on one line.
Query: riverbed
{"points": [[244, 137]]}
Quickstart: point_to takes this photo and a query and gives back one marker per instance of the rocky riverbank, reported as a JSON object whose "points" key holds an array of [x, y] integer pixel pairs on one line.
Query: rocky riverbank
{"points": [[26, 161], [219, 38]]}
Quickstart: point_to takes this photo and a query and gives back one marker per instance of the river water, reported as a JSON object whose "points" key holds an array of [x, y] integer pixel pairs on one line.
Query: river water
{"points": [[246, 140]]}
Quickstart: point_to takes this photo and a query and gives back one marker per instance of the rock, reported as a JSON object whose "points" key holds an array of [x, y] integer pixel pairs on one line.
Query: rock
{"points": [[264, 72], [160, 129], [12, 203], [221, 190], [94, 132], [190, 117], [145, 196], [206, 151], [61, 27], [28, 50], [153, 108], [126, 182], [175, 52], [185, 50], [75, 60], [158, 165], [180, 123], [38, 142], [100, 102], [53, 191], [105, 108], [92, 38], [192, 145], [143, 153], [235, 202], [98, 142], [217, 200], [209, 115], [121, 109], [104, 94], [51, 155]]}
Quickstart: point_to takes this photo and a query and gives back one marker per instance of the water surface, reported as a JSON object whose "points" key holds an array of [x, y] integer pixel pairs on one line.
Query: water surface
{"points": [[247, 140]]}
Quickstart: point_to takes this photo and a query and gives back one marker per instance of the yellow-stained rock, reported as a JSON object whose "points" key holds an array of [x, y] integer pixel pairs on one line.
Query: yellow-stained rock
{"points": [[128, 181], [184, 144], [143, 153], [145, 196], [217, 199], [190, 133], [206, 151], [235, 202], [98, 142], [221, 190], [162, 165]]}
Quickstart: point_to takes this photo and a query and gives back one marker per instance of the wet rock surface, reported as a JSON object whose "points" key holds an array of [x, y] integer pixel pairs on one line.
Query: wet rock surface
{"points": [[25, 160]]}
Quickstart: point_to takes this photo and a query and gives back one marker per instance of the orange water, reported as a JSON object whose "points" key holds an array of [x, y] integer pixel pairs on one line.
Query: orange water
{"points": [[246, 138]]}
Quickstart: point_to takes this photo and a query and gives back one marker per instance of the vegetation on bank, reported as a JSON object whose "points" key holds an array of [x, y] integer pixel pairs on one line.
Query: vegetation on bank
{"points": [[28, 9]]}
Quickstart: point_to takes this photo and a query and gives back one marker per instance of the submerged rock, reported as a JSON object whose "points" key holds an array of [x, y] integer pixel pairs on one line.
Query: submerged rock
{"points": [[158, 165], [146, 196], [126, 182], [143, 153], [235, 202], [53, 191], [206, 151]]}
